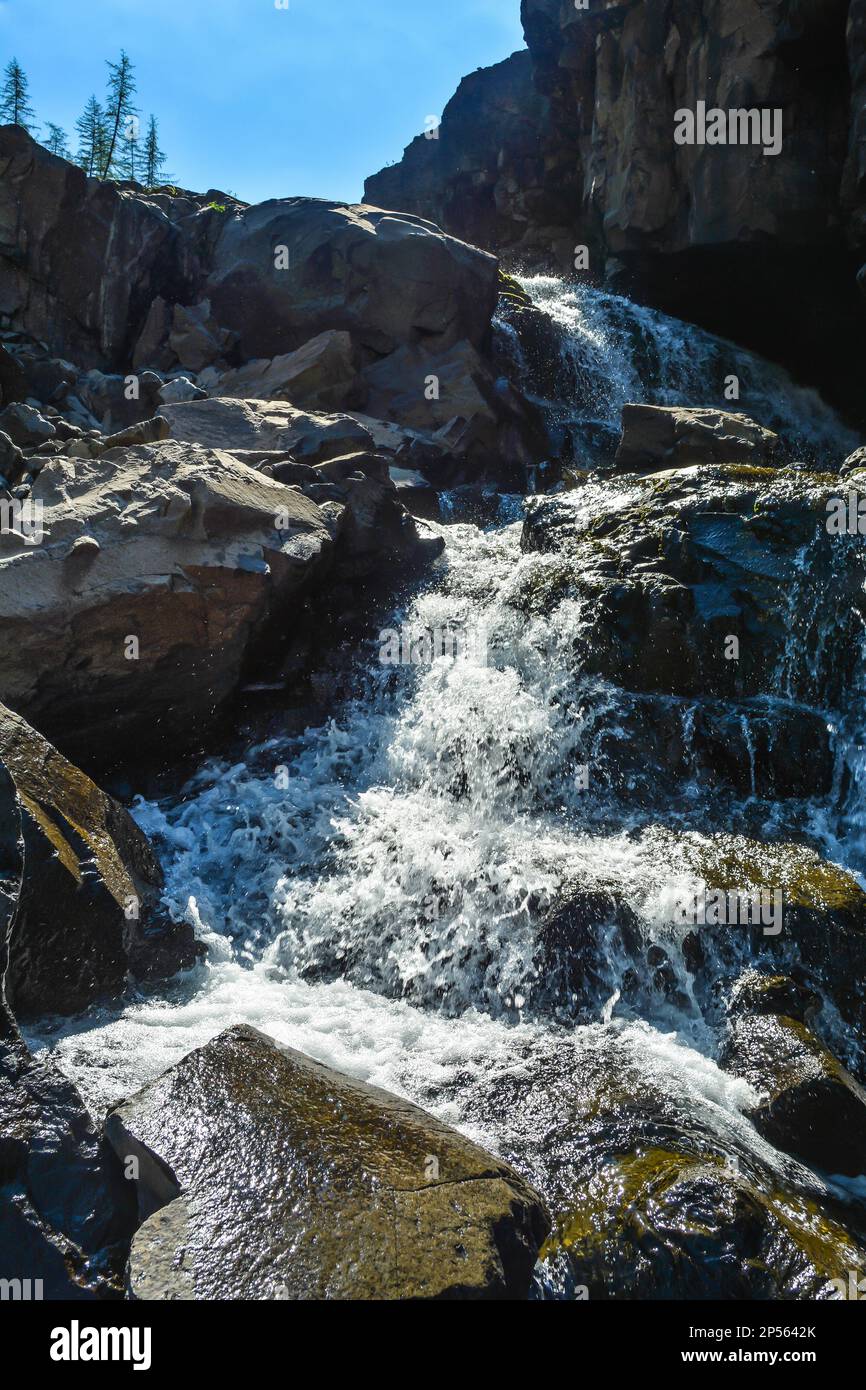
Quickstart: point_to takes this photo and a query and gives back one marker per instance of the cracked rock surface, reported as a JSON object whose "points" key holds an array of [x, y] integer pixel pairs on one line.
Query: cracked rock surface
{"points": [[266, 1175]]}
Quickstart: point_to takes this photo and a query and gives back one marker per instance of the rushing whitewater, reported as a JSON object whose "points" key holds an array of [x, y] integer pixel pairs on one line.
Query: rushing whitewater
{"points": [[370, 891]]}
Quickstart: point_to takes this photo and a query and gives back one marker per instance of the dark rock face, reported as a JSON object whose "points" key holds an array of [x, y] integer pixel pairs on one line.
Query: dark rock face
{"points": [[86, 913], [66, 1211], [704, 553], [487, 176], [61, 234], [713, 234], [266, 1175]]}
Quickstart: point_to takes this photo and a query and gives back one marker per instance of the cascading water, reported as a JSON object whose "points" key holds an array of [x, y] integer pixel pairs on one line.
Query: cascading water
{"points": [[370, 892], [612, 351]]}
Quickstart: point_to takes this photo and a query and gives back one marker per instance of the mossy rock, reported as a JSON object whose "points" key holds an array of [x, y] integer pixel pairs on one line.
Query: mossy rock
{"points": [[660, 1223], [88, 909], [810, 1106], [264, 1174]]}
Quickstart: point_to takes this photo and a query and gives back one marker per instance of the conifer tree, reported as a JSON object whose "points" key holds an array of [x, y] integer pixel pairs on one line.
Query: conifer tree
{"points": [[154, 158], [120, 110], [55, 140], [15, 108], [92, 138]]}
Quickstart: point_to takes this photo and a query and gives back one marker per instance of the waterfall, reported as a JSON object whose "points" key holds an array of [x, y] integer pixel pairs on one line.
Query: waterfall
{"points": [[606, 351], [371, 891]]}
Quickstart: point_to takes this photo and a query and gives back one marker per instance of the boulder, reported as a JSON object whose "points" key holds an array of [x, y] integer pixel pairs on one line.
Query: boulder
{"points": [[633, 924], [653, 1193], [159, 568], [695, 556], [809, 1104], [658, 437], [265, 1175], [11, 460], [66, 1215], [118, 401], [286, 270], [66, 1211], [322, 375], [25, 426], [252, 429], [454, 399], [145, 432], [87, 914], [179, 389], [196, 339]]}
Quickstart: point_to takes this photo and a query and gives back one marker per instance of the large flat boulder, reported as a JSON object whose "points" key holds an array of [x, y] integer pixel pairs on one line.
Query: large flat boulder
{"points": [[250, 428], [87, 911], [158, 568], [265, 1175], [658, 437]]}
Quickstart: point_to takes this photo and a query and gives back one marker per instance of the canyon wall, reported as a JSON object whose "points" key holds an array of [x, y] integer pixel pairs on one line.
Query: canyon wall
{"points": [[572, 143]]}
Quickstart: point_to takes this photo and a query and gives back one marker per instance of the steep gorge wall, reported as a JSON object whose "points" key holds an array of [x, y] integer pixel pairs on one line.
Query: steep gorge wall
{"points": [[759, 248]]}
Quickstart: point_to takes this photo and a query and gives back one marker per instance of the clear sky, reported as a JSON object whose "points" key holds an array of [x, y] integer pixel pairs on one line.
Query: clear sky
{"points": [[257, 100]]}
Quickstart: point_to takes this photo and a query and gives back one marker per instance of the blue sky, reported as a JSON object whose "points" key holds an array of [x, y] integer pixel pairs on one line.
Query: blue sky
{"points": [[260, 101]]}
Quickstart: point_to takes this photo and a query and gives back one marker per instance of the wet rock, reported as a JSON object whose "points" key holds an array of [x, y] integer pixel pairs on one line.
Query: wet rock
{"points": [[66, 1214], [664, 1224], [653, 1189], [673, 917], [760, 994], [87, 913], [810, 1105], [66, 1211], [659, 437], [702, 555], [266, 1175]]}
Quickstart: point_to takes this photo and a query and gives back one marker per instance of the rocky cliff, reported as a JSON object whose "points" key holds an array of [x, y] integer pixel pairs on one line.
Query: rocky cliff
{"points": [[584, 154]]}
